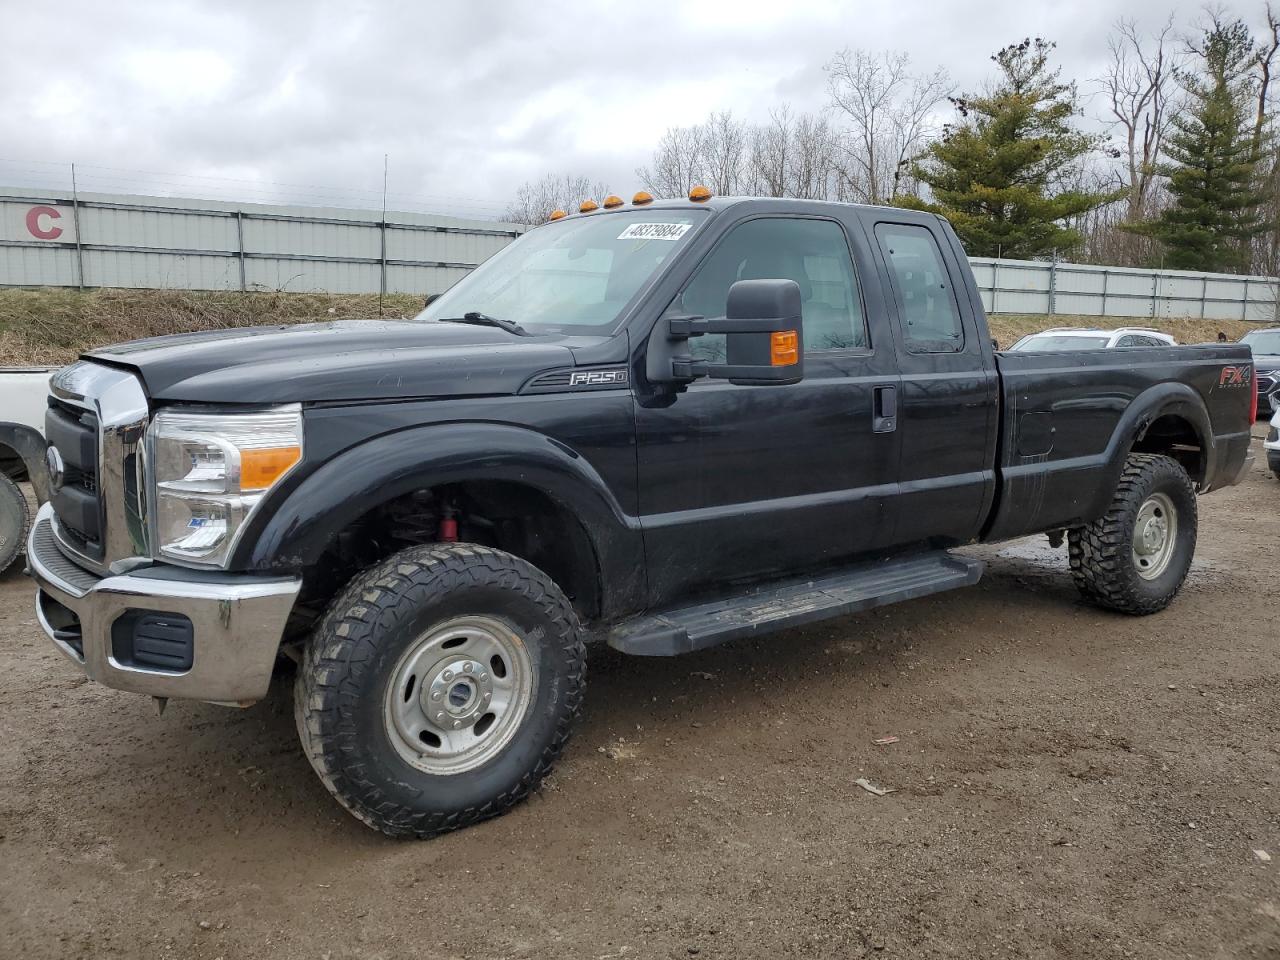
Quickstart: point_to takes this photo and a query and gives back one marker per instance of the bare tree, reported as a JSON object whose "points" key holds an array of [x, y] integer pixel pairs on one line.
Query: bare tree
{"points": [[887, 114], [536, 200], [723, 153], [1136, 85], [676, 164]]}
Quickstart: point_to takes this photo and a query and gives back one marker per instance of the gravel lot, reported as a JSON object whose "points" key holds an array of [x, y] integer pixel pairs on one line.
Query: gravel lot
{"points": [[1068, 783]]}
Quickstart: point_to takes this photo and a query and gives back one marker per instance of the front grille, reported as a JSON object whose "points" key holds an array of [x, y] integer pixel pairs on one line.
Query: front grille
{"points": [[96, 421], [73, 432]]}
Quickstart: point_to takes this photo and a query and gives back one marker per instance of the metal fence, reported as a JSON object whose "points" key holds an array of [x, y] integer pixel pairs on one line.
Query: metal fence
{"points": [[61, 239], [1032, 286]]}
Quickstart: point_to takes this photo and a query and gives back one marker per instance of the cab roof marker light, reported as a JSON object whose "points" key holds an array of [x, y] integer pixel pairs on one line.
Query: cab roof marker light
{"points": [[587, 206], [699, 194], [612, 201], [641, 198], [556, 215]]}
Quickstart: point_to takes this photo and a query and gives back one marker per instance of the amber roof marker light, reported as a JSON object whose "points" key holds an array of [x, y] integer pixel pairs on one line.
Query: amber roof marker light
{"points": [[612, 201], [641, 198], [587, 206], [699, 194], [556, 215]]}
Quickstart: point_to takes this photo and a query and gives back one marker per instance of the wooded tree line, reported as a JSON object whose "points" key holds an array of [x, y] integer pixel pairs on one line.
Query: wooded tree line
{"points": [[1169, 159]]}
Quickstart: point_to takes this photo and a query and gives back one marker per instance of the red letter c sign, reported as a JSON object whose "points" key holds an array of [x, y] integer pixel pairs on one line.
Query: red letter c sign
{"points": [[39, 232]]}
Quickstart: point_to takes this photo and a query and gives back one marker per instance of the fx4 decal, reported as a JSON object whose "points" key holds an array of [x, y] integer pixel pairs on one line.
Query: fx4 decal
{"points": [[1236, 376]]}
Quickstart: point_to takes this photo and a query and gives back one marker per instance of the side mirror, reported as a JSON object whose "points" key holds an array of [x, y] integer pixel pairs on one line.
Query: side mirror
{"points": [[764, 339]]}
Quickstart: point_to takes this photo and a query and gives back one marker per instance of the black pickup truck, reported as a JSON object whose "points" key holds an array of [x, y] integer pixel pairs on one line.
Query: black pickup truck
{"points": [[660, 425]]}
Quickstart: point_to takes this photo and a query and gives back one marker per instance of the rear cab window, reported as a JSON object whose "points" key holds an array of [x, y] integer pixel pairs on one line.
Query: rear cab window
{"points": [[927, 308]]}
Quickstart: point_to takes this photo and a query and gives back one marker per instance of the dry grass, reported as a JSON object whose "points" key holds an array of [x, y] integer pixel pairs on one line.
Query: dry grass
{"points": [[53, 326]]}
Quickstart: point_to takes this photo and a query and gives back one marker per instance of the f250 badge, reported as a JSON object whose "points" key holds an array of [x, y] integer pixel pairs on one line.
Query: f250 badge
{"points": [[597, 378], [1236, 376]]}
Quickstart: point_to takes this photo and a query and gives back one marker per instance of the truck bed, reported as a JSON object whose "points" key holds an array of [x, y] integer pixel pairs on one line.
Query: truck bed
{"points": [[1068, 419]]}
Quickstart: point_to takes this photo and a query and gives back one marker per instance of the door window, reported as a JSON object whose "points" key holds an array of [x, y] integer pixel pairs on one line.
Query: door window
{"points": [[926, 302], [813, 253]]}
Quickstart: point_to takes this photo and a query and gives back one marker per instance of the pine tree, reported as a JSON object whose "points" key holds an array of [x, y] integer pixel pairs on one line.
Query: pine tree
{"points": [[1213, 179], [1002, 174]]}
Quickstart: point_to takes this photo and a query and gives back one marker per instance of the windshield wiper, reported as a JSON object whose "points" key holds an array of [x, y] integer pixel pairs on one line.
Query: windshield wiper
{"points": [[484, 320]]}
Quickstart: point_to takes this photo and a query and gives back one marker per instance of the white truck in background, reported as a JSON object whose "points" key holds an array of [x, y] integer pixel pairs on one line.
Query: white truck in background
{"points": [[23, 400]]}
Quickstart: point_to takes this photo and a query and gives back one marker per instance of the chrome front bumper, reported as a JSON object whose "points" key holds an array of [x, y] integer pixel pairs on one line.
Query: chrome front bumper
{"points": [[237, 621]]}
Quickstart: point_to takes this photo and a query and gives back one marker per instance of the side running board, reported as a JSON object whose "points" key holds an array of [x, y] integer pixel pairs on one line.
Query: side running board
{"points": [[792, 603]]}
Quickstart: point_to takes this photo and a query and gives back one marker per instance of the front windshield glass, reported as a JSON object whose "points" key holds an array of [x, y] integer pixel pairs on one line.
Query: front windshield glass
{"points": [[1266, 342], [571, 276], [1053, 343]]}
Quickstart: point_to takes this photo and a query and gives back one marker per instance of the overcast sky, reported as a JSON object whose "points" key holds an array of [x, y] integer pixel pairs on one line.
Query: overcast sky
{"points": [[284, 99]]}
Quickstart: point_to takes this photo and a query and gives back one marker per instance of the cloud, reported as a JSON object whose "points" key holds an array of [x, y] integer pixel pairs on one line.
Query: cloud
{"points": [[300, 100]]}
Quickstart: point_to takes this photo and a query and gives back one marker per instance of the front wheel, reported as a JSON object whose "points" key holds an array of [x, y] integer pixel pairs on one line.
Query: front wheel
{"points": [[439, 688], [1136, 556]]}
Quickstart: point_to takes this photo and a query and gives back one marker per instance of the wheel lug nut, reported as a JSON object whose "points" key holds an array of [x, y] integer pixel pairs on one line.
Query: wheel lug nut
{"points": [[457, 724], [440, 715], [484, 676], [448, 674], [435, 695], [466, 668]]}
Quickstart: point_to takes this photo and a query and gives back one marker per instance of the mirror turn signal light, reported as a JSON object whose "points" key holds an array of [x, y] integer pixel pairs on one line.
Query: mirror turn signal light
{"points": [[641, 198], [556, 215], [587, 206], [784, 348], [612, 201], [699, 194]]}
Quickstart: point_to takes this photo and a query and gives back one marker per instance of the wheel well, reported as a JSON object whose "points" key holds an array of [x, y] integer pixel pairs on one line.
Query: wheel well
{"points": [[512, 517], [1174, 436], [11, 463]]}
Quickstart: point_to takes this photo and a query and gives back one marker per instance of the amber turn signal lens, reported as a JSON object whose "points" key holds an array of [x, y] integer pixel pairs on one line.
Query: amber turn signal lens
{"points": [[698, 194], [611, 201], [260, 467], [641, 198], [556, 215], [587, 206], [784, 348]]}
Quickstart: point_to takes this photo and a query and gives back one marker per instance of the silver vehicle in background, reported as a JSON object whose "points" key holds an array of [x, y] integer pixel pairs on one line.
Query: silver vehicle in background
{"points": [[1266, 369], [1080, 338]]}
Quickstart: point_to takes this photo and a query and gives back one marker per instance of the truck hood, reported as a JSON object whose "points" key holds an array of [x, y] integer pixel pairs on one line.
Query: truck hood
{"points": [[1266, 361], [338, 360]]}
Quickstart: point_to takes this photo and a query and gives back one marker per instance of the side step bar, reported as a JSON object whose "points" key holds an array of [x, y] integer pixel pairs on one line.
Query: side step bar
{"points": [[792, 603]]}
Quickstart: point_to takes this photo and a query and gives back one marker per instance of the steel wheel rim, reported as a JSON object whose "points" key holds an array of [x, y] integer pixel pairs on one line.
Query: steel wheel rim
{"points": [[1155, 535], [458, 694]]}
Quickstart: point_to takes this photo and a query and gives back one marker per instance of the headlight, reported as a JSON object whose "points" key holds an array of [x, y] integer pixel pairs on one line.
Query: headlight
{"points": [[211, 470]]}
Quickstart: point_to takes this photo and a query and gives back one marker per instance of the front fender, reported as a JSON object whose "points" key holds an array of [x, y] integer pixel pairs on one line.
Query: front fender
{"points": [[294, 532]]}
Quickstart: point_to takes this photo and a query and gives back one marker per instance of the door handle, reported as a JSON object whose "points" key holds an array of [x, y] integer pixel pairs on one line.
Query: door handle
{"points": [[884, 414]]}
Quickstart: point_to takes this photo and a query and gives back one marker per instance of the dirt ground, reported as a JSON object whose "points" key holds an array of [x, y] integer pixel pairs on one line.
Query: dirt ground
{"points": [[1068, 783]]}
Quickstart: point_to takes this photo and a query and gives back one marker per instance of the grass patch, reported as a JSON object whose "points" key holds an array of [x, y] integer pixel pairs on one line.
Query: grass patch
{"points": [[55, 325]]}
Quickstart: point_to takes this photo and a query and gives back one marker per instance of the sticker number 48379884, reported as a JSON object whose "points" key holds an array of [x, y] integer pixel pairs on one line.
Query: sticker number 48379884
{"points": [[654, 231]]}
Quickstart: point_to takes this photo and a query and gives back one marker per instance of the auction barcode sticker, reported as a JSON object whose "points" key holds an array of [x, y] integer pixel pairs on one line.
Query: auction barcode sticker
{"points": [[654, 231]]}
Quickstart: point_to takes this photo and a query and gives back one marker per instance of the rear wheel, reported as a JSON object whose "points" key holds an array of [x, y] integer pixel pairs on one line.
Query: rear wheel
{"points": [[439, 688], [14, 517], [1135, 558]]}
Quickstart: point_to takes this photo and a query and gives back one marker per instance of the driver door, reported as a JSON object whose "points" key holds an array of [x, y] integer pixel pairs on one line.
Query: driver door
{"points": [[744, 482]]}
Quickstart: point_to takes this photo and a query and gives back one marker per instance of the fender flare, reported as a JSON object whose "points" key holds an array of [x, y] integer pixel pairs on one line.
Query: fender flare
{"points": [[30, 445], [293, 531], [1162, 399]]}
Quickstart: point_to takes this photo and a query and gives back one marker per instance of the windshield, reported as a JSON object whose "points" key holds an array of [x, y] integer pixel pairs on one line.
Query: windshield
{"points": [[1048, 343], [1263, 341], [572, 276]]}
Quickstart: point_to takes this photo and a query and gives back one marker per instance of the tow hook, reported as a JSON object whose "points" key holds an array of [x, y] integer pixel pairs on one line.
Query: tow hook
{"points": [[161, 703]]}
